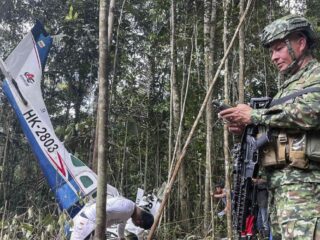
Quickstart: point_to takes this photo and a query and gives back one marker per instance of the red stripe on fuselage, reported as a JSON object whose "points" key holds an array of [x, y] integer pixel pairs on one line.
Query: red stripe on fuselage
{"points": [[59, 165], [36, 51]]}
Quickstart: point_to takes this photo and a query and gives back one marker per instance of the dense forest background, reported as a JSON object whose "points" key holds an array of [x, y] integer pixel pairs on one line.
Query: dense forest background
{"points": [[163, 56]]}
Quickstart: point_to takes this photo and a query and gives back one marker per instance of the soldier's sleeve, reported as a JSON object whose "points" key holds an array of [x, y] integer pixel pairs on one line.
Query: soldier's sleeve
{"points": [[303, 113]]}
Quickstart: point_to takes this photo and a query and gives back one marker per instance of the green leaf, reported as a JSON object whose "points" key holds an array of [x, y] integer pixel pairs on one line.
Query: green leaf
{"points": [[27, 227], [47, 220]]}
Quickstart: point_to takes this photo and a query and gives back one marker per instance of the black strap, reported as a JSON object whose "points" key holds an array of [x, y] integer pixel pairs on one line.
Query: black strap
{"points": [[25, 102], [82, 214], [294, 95]]}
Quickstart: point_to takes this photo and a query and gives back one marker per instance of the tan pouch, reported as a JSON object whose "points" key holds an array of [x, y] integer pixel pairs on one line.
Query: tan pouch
{"points": [[274, 153], [313, 145], [268, 155], [297, 151]]}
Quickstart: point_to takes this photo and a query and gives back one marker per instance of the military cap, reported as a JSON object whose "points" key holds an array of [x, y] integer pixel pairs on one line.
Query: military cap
{"points": [[282, 27]]}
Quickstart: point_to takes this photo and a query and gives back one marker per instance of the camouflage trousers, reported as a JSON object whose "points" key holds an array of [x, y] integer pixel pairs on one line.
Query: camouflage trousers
{"points": [[295, 211]]}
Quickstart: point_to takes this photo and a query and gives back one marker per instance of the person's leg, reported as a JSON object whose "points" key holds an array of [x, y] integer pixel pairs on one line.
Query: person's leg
{"points": [[82, 227], [259, 224], [300, 229], [250, 225], [264, 218], [264, 222], [298, 210], [274, 221]]}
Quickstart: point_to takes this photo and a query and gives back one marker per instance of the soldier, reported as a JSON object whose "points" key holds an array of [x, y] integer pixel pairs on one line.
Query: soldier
{"points": [[291, 158]]}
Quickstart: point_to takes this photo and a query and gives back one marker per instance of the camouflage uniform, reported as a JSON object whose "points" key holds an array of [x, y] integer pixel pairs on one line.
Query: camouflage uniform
{"points": [[295, 193]]}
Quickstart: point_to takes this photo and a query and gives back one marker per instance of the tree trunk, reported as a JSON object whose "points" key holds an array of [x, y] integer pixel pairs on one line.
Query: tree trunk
{"points": [[183, 196], [210, 161], [225, 130], [123, 160], [170, 137], [208, 113], [145, 175], [102, 120], [4, 156], [109, 30], [115, 60], [241, 56]]}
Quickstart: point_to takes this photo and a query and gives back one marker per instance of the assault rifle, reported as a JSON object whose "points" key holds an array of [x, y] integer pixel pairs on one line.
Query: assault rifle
{"points": [[246, 165]]}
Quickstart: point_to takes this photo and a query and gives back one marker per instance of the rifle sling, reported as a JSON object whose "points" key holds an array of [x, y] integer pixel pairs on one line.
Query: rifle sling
{"points": [[294, 95]]}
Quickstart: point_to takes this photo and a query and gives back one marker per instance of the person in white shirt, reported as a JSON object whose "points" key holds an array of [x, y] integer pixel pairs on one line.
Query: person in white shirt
{"points": [[119, 210]]}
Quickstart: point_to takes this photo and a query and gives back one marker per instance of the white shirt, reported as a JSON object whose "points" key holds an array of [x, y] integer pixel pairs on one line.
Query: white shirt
{"points": [[119, 210]]}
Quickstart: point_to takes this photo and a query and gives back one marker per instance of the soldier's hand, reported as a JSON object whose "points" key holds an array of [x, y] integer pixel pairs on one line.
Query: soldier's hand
{"points": [[237, 116]]}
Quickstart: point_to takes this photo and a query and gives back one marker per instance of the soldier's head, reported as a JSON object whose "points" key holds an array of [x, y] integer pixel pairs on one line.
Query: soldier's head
{"points": [[142, 218], [290, 40]]}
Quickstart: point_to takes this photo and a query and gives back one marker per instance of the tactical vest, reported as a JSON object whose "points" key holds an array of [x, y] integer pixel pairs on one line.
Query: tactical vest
{"points": [[295, 149]]}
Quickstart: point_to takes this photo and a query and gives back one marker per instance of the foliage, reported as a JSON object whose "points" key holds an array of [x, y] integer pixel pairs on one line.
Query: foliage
{"points": [[34, 223], [139, 112]]}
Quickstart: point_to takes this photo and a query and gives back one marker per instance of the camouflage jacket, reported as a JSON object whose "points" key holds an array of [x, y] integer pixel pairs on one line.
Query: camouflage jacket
{"points": [[302, 112], [299, 114]]}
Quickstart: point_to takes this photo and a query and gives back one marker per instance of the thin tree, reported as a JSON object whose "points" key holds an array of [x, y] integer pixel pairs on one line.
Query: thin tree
{"points": [[241, 56], [102, 123], [176, 114], [212, 163], [226, 4], [109, 31], [170, 137], [174, 96], [4, 156], [207, 78], [123, 168]]}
